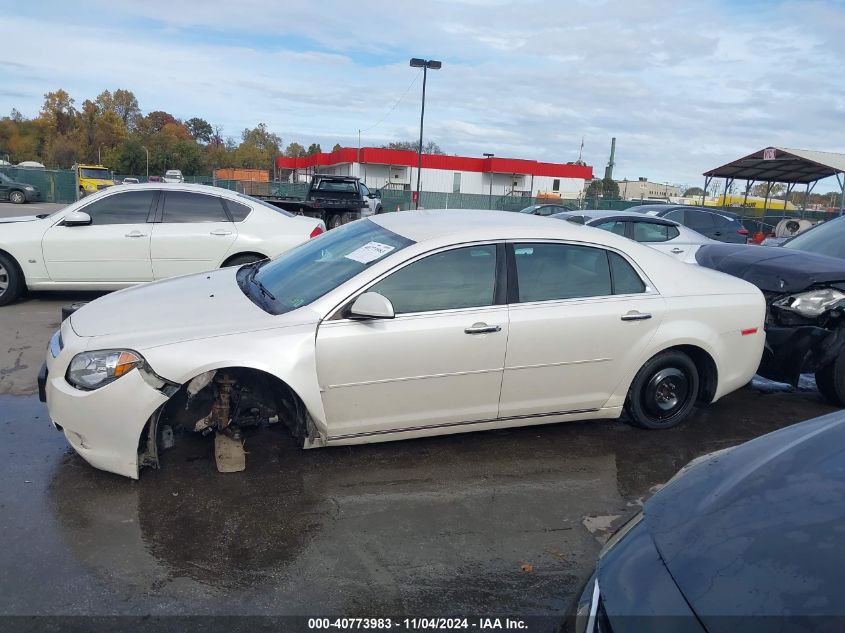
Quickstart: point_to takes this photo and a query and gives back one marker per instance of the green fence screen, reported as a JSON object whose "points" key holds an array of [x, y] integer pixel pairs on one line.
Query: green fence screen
{"points": [[54, 185]]}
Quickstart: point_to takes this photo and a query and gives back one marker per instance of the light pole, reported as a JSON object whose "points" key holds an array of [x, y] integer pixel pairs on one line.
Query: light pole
{"points": [[425, 64], [148, 162], [490, 197]]}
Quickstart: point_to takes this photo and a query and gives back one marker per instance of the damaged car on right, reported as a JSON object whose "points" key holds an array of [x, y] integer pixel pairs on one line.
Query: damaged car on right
{"points": [[803, 282]]}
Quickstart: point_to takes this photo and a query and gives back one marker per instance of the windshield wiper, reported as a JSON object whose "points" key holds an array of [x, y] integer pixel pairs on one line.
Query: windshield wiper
{"points": [[251, 278]]}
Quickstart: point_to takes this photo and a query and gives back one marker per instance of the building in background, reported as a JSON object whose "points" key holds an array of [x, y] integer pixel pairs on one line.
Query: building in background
{"points": [[397, 169], [644, 189]]}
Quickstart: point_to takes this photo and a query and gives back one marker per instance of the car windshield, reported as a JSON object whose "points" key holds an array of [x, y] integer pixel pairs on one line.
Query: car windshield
{"points": [[825, 239], [346, 186], [307, 272], [262, 203], [99, 174]]}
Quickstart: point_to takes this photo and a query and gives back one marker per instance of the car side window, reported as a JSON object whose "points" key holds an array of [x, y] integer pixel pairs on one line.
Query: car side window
{"points": [[651, 232], [364, 191], [699, 219], [721, 220], [132, 207], [672, 232], [677, 215], [182, 207], [459, 278], [237, 210], [626, 281], [546, 272], [614, 226]]}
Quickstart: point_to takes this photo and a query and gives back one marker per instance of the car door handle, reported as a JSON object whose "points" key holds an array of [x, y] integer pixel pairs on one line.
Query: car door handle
{"points": [[482, 328], [136, 234], [633, 315], [221, 232], [677, 250]]}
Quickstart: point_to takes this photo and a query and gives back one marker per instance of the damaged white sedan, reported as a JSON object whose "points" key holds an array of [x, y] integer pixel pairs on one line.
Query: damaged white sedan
{"points": [[401, 326]]}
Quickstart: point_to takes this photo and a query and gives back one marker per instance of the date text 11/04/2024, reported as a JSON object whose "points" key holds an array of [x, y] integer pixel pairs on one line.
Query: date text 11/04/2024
{"points": [[416, 624]]}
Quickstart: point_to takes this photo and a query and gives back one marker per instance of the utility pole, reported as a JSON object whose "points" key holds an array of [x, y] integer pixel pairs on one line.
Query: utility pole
{"points": [[148, 162], [425, 64], [490, 198]]}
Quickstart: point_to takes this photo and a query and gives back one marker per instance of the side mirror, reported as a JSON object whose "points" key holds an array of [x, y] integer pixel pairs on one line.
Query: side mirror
{"points": [[77, 218], [371, 305], [377, 193]]}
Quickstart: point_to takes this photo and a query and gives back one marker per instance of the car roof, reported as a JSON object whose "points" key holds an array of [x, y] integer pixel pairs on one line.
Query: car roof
{"points": [[173, 186], [600, 214], [436, 223]]}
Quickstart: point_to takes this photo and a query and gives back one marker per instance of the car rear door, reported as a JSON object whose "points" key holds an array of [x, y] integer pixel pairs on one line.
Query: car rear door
{"points": [[115, 247], [580, 316], [438, 363], [193, 233], [661, 236]]}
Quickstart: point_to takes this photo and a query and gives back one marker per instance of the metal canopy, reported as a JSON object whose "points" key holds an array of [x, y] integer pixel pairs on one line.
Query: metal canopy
{"points": [[780, 164]]}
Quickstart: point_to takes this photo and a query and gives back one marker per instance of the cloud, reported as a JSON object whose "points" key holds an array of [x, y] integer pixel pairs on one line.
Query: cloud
{"points": [[683, 86]]}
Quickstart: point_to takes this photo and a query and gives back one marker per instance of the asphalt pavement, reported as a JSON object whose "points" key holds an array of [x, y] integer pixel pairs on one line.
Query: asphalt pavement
{"points": [[497, 523]]}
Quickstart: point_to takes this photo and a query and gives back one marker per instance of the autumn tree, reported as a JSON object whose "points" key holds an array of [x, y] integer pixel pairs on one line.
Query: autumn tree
{"points": [[295, 150], [200, 129]]}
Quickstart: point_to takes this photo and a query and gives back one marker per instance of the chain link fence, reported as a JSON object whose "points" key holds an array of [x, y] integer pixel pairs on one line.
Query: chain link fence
{"points": [[54, 185]]}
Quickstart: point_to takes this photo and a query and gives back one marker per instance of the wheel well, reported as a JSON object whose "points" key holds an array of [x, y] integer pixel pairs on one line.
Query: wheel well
{"points": [[708, 375], [15, 264], [243, 254]]}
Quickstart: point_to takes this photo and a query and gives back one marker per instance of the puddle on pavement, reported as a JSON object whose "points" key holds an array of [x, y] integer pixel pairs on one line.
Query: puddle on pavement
{"points": [[383, 528]]}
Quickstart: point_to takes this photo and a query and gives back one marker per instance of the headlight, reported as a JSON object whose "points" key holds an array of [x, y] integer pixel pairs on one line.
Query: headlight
{"points": [[90, 187], [56, 343], [92, 370], [29, 188], [813, 303]]}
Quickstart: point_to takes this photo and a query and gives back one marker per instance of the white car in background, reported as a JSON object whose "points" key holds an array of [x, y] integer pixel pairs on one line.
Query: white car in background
{"points": [[132, 234], [173, 176], [666, 236], [131, 181], [399, 326]]}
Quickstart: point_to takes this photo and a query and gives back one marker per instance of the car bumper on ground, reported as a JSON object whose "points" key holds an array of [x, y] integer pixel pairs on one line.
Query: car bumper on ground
{"points": [[32, 196], [105, 425], [791, 351]]}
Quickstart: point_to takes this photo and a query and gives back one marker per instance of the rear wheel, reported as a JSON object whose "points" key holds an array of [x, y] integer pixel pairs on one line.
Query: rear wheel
{"points": [[830, 380], [664, 391], [335, 220], [17, 197], [11, 280]]}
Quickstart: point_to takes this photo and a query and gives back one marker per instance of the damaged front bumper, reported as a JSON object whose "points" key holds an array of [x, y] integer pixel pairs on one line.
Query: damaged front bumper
{"points": [[794, 350]]}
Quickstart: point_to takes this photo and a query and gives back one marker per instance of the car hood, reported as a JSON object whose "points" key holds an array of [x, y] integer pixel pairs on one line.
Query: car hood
{"points": [[759, 529], [774, 269], [20, 218], [177, 310]]}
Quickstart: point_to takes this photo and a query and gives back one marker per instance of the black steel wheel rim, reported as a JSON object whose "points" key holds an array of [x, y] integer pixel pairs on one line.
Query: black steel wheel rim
{"points": [[666, 392]]}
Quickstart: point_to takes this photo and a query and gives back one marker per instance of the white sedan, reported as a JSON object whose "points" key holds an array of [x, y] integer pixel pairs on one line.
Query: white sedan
{"points": [[131, 234], [400, 326], [666, 236]]}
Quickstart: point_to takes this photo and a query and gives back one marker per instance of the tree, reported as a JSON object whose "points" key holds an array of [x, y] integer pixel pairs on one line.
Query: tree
{"points": [[200, 129], [759, 189], [605, 187], [314, 148], [294, 150], [58, 111], [693, 192], [125, 105], [336, 147], [156, 120], [413, 146]]}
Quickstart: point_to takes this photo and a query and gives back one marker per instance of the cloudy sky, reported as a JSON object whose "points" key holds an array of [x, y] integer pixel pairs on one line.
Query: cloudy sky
{"points": [[683, 85]]}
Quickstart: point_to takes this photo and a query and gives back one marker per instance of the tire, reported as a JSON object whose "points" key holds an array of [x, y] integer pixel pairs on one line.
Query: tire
{"points": [[241, 260], [664, 391], [335, 220], [17, 197], [379, 209], [11, 280], [830, 380]]}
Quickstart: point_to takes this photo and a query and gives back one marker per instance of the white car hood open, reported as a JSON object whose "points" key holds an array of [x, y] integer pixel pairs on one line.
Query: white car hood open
{"points": [[177, 310]]}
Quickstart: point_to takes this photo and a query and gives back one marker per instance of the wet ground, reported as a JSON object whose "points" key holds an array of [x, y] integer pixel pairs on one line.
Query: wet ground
{"points": [[504, 522]]}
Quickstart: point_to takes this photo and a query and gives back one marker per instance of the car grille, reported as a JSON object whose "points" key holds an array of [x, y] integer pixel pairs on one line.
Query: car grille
{"points": [[102, 187]]}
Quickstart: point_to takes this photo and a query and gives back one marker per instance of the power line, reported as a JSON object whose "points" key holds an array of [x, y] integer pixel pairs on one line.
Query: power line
{"points": [[393, 107]]}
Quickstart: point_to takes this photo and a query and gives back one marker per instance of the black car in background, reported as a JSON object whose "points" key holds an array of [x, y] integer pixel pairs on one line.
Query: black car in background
{"points": [[723, 226], [803, 281], [548, 209], [17, 192], [747, 539]]}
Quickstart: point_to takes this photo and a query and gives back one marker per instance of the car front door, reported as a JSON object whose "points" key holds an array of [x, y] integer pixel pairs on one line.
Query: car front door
{"points": [[580, 316], [115, 247], [193, 235], [438, 363], [366, 196], [4, 188]]}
